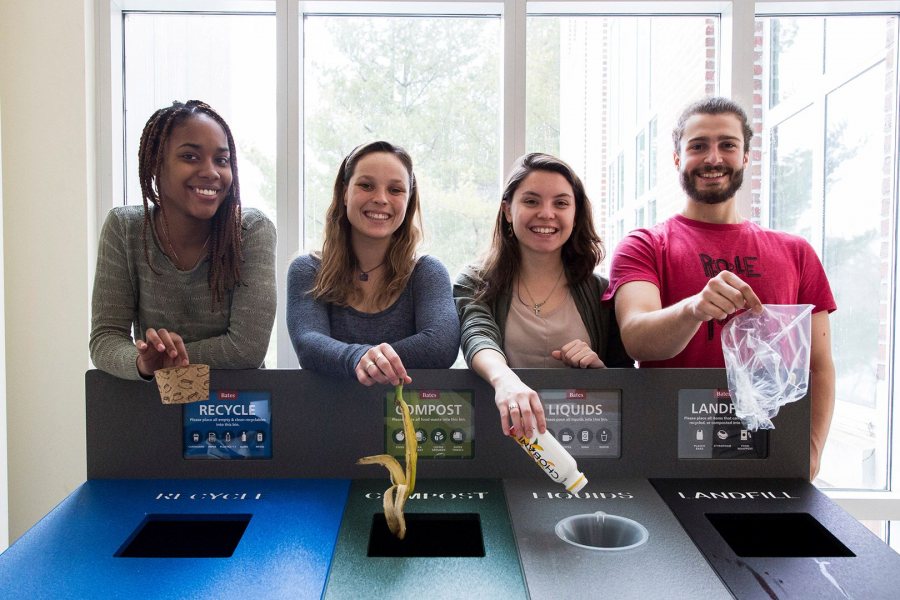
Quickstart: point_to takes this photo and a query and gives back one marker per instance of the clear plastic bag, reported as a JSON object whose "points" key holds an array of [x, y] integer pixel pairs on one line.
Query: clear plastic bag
{"points": [[767, 360]]}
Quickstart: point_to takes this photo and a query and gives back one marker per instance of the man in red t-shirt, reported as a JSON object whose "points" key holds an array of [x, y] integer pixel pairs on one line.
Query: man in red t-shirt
{"points": [[678, 282]]}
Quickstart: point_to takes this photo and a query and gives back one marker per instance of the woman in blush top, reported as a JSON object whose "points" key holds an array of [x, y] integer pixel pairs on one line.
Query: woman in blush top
{"points": [[533, 300]]}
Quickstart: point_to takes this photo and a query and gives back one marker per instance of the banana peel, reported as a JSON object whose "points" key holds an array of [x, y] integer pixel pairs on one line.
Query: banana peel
{"points": [[409, 440], [403, 482], [388, 462]]}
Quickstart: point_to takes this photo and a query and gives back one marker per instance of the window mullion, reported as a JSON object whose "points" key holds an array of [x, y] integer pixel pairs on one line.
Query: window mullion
{"points": [[513, 127], [289, 171], [737, 63]]}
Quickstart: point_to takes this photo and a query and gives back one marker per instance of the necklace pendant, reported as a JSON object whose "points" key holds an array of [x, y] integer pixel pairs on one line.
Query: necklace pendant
{"points": [[537, 310], [363, 276]]}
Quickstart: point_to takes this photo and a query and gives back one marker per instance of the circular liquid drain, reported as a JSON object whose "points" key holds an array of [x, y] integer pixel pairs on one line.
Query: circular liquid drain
{"points": [[600, 531]]}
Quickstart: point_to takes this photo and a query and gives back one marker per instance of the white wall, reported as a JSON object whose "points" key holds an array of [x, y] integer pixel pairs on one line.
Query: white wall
{"points": [[46, 107], [4, 487]]}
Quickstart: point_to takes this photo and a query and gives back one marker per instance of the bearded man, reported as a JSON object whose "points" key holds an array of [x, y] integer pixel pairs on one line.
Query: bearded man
{"points": [[676, 284]]}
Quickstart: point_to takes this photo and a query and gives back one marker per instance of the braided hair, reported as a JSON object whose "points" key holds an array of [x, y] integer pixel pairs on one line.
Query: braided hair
{"points": [[224, 251]]}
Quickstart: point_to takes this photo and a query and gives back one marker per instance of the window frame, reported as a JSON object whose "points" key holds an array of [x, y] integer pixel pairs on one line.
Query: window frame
{"points": [[874, 505], [737, 19]]}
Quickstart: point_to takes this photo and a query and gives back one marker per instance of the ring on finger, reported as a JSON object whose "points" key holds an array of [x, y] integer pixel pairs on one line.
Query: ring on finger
{"points": [[379, 357], [370, 363], [513, 406]]}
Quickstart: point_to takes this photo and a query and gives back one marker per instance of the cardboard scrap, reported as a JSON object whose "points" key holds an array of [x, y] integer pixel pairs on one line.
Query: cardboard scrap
{"points": [[180, 385]]}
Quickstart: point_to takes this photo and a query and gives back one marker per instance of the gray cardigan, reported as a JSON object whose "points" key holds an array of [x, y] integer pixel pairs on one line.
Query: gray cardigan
{"points": [[483, 324]]}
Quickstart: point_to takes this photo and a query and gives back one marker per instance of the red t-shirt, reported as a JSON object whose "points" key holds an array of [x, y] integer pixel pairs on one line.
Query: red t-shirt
{"points": [[680, 255]]}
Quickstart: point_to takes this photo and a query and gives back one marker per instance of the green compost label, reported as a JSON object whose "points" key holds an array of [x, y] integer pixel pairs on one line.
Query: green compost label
{"points": [[442, 419]]}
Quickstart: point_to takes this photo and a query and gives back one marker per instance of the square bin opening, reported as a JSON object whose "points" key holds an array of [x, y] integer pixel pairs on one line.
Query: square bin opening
{"points": [[777, 535], [429, 535], [185, 536]]}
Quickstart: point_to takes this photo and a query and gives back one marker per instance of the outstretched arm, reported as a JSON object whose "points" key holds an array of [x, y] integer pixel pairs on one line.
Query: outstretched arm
{"points": [[651, 332], [519, 405], [478, 325], [821, 375], [309, 326], [482, 341]]}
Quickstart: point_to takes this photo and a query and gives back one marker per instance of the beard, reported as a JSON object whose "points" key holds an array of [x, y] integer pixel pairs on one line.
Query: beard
{"points": [[736, 179]]}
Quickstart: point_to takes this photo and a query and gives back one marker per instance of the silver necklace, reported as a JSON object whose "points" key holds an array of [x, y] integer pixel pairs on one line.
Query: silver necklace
{"points": [[536, 306]]}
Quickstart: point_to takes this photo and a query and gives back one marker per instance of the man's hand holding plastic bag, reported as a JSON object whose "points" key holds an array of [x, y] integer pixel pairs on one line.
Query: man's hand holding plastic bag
{"points": [[767, 361]]}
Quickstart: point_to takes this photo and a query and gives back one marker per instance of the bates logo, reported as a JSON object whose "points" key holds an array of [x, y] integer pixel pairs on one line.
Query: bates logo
{"points": [[228, 395], [575, 395]]}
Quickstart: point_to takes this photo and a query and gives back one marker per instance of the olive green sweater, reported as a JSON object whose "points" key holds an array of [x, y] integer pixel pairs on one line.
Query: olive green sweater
{"points": [[129, 297]]}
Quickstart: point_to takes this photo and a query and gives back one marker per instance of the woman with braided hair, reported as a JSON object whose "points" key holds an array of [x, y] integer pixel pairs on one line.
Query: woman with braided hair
{"points": [[189, 273]]}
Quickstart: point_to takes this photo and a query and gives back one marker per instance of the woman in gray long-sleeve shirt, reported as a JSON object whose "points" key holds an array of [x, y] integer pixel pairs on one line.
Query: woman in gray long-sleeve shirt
{"points": [[365, 307], [191, 277]]}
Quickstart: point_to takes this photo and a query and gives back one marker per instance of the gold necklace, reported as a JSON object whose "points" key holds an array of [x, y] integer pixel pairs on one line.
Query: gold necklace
{"points": [[536, 306], [178, 260]]}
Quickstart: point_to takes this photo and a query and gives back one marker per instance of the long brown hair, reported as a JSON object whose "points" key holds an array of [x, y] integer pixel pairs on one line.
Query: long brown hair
{"points": [[224, 251], [581, 253], [335, 281]]}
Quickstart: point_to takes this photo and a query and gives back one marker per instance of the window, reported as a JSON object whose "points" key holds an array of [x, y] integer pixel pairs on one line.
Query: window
{"points": [[231, 67], [612, 201], [830, 121], [620, 180], [597, 83], [640, 159], [606, 80], [652, 154], [372, 77]]}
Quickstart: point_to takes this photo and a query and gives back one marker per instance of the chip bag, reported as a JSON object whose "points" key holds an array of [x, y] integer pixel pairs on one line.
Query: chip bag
{"points": [[767, 360]]}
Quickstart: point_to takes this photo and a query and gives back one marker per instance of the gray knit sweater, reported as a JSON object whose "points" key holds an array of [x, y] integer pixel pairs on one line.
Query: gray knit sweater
{"points": [[421, 326], [129, 295]]}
